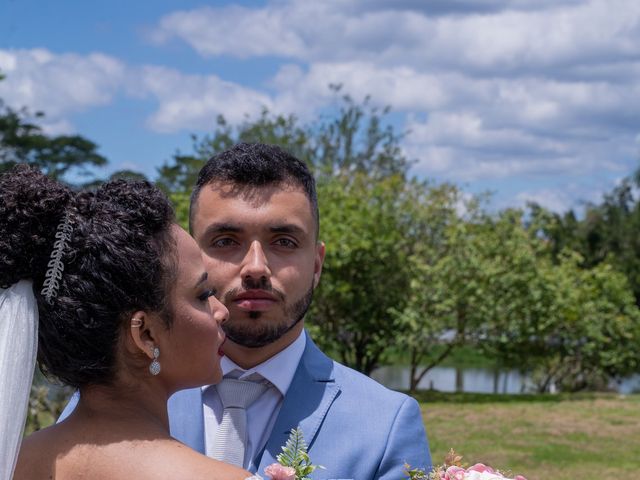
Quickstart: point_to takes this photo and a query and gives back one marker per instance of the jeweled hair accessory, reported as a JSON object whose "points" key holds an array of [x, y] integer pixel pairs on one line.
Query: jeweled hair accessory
{"points": [[55, 266]]}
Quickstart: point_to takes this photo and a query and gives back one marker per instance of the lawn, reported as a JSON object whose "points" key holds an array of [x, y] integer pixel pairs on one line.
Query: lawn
{"points": [[541, 437]]}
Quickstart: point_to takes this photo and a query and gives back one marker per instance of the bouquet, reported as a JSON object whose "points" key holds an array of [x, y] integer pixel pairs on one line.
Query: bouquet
{"points": [[293, 462], [453, 469]]}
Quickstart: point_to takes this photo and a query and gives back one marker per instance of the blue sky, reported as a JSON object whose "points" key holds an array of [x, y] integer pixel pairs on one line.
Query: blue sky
{"points": [[531, 99]]}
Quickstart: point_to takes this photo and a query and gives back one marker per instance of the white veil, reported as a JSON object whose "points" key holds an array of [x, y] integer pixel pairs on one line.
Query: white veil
{"points": [[18, 347]]}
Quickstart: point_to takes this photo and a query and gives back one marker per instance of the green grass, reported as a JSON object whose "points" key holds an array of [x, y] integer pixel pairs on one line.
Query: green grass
{"points": [[590, 436]]}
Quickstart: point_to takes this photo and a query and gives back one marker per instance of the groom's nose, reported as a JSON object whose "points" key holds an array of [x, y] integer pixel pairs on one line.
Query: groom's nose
{"points": [[255, 265]]}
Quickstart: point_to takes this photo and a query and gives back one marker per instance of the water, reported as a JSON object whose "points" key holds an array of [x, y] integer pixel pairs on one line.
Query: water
{"points": [[476, 380]]}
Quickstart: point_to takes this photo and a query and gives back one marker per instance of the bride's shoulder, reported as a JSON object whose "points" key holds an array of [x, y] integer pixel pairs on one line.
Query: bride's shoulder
{"points": [[70, 456], [37, 455], [173, 460]]}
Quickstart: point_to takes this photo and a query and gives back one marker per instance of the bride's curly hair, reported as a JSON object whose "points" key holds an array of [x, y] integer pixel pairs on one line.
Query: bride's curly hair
{"points": [[120, 258]]}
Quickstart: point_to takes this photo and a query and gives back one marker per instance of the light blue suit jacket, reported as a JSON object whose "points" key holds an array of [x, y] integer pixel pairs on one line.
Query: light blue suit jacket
{"points": [[355, 427]]}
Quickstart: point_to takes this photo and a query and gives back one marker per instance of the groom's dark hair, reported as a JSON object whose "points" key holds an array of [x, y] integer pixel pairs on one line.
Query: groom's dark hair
{"points": [[256, 165]]}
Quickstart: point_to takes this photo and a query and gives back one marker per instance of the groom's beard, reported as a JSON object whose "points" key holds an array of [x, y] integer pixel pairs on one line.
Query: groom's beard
{"points": [[258, 334]]}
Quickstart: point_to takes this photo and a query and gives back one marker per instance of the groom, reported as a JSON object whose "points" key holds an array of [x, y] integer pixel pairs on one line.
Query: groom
{"points": [[254, 213]]}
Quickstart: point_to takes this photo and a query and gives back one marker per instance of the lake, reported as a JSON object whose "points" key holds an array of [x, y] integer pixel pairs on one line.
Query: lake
{"points": [[476, 380]]}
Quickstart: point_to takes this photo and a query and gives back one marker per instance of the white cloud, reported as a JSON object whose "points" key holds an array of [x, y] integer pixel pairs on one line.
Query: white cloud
{"points": [[57, 127], [490, 89], [560, 199], [554, 200], [401, 87], [509, 36], [509, 87], [63, 84], [58, 84], [243, 31], [194, 101]]}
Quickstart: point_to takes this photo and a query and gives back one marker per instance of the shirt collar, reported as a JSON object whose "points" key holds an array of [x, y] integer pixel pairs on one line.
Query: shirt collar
{"points": [[278, 370]]}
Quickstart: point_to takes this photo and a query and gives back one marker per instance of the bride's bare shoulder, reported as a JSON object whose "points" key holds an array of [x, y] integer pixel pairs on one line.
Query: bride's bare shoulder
{"points": [[37, 455], [171, 459], [47, 454]]}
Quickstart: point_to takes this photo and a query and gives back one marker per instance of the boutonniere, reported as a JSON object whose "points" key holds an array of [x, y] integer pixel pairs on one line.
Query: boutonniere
{"points": [[293, 462]]}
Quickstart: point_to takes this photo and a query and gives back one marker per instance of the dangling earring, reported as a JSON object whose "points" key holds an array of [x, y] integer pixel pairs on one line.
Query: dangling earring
{"points": [[154, 368]]}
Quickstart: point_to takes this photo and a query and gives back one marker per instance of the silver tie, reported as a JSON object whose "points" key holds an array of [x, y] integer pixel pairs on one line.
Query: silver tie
{"points": [[231, 441]]}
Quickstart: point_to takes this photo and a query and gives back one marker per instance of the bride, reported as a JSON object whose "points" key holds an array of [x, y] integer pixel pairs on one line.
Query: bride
{"points": [[123, 311]]}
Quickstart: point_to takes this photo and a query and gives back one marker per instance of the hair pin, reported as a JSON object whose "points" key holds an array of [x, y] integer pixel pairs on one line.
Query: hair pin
{"points": [[55, 266]]}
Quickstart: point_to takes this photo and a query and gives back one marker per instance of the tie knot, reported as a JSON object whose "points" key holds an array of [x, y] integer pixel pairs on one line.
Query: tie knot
{"points": [[239, 393]]}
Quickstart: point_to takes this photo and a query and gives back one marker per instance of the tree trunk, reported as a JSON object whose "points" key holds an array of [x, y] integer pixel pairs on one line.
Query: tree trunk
{"points": [[413, 380]]}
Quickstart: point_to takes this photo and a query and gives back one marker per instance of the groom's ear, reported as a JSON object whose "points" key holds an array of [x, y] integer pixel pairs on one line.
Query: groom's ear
{"points": [[141, 330]]}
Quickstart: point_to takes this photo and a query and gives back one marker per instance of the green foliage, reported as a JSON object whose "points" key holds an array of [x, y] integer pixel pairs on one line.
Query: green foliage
{"points": [[490, 283], [294, 454], [608, 233], [448, 296], [415, 473], [570, 325], [368, 238], [357, 139], [45, 406], [181, 202], [438, 472], [24, 142], [596, 328]]}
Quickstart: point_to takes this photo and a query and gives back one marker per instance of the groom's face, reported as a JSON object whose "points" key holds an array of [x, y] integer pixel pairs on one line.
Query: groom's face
{"points": [[262, 255]]}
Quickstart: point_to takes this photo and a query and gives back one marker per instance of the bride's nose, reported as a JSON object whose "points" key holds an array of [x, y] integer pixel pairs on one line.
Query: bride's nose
{"points": [[220, 312]]}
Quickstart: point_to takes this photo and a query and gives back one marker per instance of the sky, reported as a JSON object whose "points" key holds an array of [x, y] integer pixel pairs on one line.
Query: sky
{"points": [[532, 100]]}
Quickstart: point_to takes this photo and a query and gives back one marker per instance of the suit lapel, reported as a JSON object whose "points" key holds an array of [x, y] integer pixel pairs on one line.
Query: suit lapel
{"points": [[310, 395]]}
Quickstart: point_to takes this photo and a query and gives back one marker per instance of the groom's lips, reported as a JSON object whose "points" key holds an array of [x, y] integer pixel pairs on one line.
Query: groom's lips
{"points": [[255, 300]]}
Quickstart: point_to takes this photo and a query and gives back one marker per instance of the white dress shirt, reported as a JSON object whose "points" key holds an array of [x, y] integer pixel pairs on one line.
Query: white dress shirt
{"points": [[278, 371]]}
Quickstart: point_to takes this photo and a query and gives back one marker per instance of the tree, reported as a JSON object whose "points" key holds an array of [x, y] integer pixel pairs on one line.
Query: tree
{"points": [[608, 232], [569, 325], [593, 328], [473, 282], [23, 141], [364, 276], [357, 139]]}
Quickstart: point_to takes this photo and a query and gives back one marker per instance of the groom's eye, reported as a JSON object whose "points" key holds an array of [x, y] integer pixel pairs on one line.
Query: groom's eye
{"points": [[222, 242]]}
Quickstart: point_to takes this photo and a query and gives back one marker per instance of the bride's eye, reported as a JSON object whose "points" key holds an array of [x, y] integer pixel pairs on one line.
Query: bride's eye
{"points": [[206, 294]]}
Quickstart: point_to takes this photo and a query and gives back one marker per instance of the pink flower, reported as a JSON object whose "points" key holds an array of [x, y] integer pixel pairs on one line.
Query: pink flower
{"points": [[519, 477], [454, 473], [277, 472], [481, 467]]}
